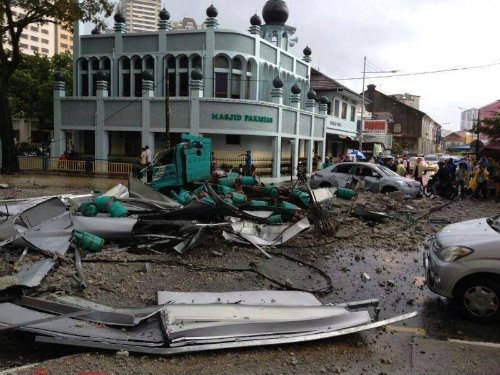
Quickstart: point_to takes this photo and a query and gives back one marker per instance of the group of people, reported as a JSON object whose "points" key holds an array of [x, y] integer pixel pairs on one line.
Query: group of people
{"points": [[471, 177]]}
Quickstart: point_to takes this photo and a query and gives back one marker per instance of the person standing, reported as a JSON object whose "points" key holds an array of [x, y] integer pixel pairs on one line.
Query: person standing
{"points": [[149, 155], [319, 164], [400, 169], [443, 179], [215, 163], [480, 181], [419, 171], [406, 163], [143, 158], [247, 170], [462, 177], [496, 177], [327, 163]]}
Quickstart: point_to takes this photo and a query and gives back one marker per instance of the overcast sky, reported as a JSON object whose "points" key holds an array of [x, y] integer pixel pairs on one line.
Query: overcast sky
{"points": [[407, 35]]}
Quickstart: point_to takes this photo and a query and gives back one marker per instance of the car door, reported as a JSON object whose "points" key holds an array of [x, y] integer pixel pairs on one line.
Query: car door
{"points": [[341, 175], [372, 179]]}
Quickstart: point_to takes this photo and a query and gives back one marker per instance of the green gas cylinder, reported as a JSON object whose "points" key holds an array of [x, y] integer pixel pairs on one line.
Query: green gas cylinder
{"points": [[200, 189], [229, 182], [270, 191], [224, 189], [287, 208], [228, 200], [275, 219], [88, 209], [238, 199], [87, 241], [183, 197], [259, 204], [303, 196], [101, 202], [248, 181], [116, 209], [346, 194]]}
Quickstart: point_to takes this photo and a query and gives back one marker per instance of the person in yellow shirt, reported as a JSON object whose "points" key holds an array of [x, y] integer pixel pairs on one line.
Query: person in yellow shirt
{"points": [[400, 169], [479, 181]]}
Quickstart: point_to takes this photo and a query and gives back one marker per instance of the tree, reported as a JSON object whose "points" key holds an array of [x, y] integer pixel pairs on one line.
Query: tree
{"points": [[490, 127], [31, 87], [63, 12], [396, 148]]}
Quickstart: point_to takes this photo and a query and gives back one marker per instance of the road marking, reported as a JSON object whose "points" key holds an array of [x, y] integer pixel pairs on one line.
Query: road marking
{"points": [[416, 331], [476, 343]]}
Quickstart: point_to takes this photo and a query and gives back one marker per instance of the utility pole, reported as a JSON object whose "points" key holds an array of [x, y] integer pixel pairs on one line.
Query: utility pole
{"points": [[478, 129], [167, 113], [362, 109]]}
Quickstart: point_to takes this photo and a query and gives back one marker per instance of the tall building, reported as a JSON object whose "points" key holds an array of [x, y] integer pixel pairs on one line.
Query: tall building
{"points": [[48, 39], [141, 15], [408, 99], [187, 23], [468, 117]]}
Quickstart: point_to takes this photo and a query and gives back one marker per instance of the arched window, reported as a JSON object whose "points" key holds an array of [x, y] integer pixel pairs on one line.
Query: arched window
{"points": [[125, 74], [94, 68], [137, 76], [221, 75], [149, 63], [196, 62], [83, 83], [171, 74], [183, 76], [236, 73], [248, 91]]}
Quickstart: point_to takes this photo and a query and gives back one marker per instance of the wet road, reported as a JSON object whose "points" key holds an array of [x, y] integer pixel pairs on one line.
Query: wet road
{"points": [[438, 317]]}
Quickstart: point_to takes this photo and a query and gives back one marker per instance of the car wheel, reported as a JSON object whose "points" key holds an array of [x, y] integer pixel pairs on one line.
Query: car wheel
{"points": [[427, 191], [388, 189], [479, 299], [325, 185]]}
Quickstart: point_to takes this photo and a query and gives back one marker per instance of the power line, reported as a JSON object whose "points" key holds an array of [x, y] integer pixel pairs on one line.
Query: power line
{"points": [[422, 73]]}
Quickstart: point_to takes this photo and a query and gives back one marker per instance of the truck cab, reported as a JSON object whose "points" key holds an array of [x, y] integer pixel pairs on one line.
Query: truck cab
{"points": [[186, 162]]}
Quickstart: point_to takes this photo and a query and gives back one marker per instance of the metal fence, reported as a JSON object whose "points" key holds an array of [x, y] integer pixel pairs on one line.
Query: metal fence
{"points": [[42, 164]]}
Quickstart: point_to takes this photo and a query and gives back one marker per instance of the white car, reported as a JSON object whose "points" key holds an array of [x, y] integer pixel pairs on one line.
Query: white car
{"points": [[377, 179], [464, 264]]}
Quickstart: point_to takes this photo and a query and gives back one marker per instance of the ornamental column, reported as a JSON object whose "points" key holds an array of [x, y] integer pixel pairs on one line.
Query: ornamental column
{"points": [[58, 144]]}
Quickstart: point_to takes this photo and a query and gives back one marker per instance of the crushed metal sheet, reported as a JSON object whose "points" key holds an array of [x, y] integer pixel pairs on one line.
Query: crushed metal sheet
{"points": [[111, 317], [139, 314], [30, 275], [266, 235], [264, 297], [147, 333], [108, 228], [324, 195], [266, 341], [137, 189], [119, 191]]}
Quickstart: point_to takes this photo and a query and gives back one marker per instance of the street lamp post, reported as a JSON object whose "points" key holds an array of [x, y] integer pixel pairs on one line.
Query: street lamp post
{"points": [[362, 109]]}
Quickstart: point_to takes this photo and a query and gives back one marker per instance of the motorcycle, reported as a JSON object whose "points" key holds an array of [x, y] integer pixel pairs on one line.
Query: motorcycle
{"points": [[450, 191]]}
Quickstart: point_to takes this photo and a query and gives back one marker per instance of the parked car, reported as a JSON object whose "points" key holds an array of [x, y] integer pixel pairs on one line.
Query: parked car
{"points": [[378, 179], [432, 163], [464, 263]]}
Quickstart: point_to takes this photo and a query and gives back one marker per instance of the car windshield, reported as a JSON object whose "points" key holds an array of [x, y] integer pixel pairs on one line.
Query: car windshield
{"points": [[386, 171], [494, 223], [431, 158]]}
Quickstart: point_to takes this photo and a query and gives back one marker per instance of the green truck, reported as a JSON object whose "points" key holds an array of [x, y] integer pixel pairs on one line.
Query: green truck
{"points": [[185, 163]]}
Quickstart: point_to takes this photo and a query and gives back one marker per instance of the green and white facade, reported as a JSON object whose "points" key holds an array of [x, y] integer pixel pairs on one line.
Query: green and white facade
{"points": [[237, 101]]}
